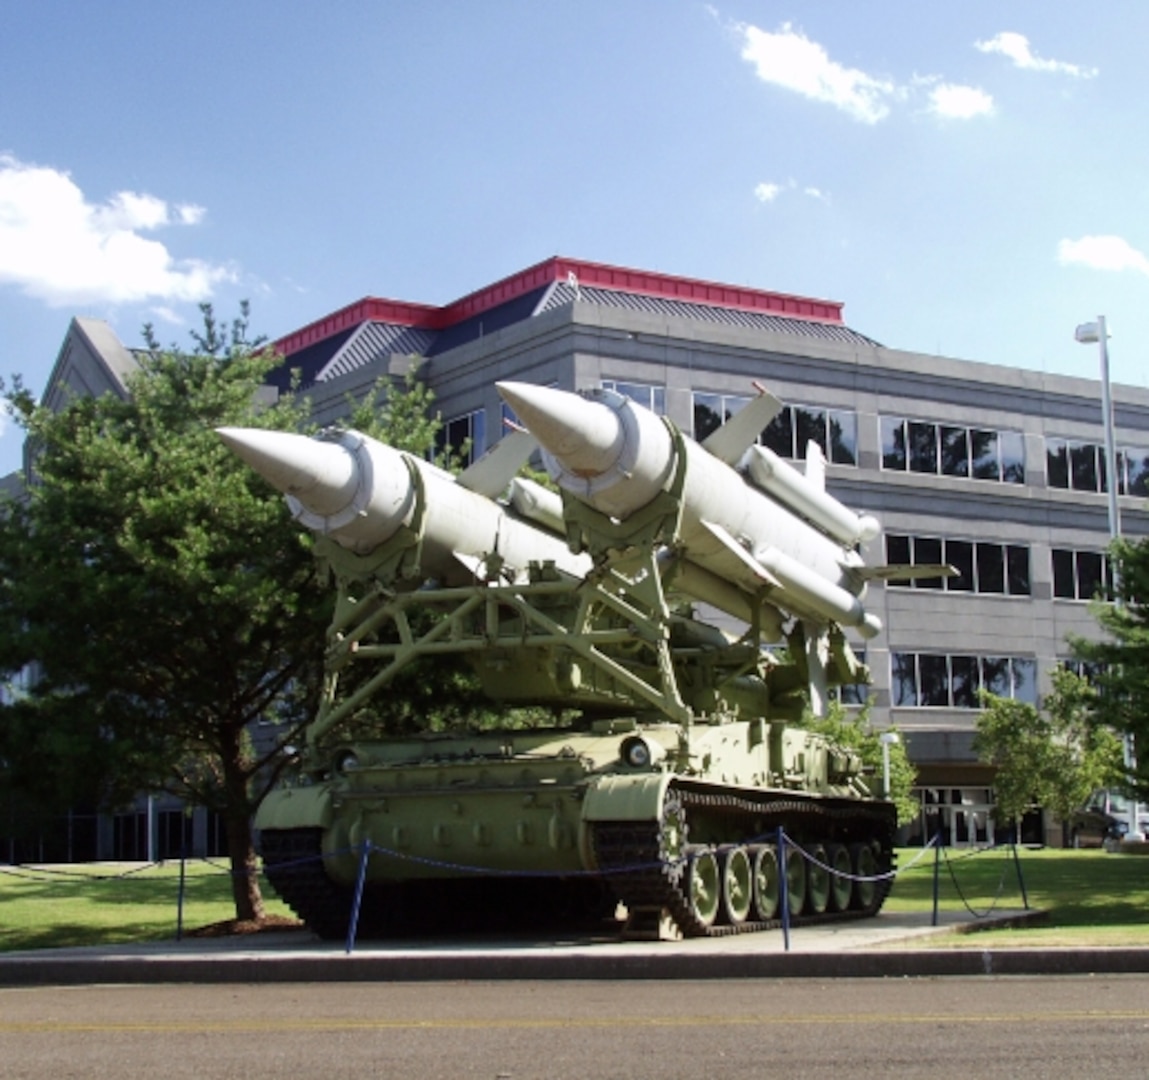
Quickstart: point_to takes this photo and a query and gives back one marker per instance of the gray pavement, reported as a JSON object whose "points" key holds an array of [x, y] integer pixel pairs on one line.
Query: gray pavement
{"points": [[890, 945]]}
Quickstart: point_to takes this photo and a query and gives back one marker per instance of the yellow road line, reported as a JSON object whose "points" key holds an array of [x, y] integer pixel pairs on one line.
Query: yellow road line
{"points": [[295, 1024]]}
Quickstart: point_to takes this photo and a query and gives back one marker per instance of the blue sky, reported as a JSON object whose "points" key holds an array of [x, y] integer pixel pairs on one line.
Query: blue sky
{"points": [[970, 179]]}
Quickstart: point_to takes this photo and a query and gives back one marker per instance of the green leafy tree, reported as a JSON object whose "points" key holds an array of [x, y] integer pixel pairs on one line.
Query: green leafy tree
{"points": [[1052, 756], [161, 594], [1120, 662], [854, 730]]}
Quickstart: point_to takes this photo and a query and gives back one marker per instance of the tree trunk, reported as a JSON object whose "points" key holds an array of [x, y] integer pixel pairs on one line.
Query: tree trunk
{"points": [[240, 843], [244, 867]]}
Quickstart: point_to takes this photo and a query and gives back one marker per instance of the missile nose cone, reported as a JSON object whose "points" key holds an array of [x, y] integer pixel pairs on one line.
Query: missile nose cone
{"points": [[322, 475], [586, 437]]}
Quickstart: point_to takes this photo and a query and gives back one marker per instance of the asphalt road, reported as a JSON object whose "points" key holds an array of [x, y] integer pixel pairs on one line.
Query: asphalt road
{"points": [[1017, 1027]]}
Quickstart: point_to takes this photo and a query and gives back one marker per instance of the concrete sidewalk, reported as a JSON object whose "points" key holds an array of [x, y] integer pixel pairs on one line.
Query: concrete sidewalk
{"points": [[887, 946]]}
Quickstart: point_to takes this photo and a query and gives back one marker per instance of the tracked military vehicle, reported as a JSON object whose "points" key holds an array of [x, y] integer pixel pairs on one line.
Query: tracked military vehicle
{"points": [[657, 794]]}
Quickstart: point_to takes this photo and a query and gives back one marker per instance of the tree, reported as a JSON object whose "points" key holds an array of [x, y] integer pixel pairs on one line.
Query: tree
{"points": [[856, 732], [1120, 663], [1051, 757], [162, 593]]}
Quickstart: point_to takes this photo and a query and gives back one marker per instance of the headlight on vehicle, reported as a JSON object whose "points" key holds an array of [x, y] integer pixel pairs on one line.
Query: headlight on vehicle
{"points": [[639, 752]]}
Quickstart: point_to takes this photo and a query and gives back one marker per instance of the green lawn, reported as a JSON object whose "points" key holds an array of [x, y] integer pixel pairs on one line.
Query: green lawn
{"points": [[109, 903], [1093, 898]]}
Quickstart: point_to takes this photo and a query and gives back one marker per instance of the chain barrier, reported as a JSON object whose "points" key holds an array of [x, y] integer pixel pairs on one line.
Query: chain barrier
{"points": [[43, 874]]}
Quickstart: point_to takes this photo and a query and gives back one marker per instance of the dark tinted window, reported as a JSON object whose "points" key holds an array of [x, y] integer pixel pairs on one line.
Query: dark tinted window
{"points": [[779, 434], [959, 554], [986, 461], [934, 676], [1017, 569], [965, 681], [893, 443], [1057, 463], [955, 451], [923, 447], [844, 438], [904, 682], [990, 568], [927, 552]]}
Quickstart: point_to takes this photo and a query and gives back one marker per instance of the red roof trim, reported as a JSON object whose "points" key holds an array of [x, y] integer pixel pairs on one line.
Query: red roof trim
{"points": [[665, 286]]}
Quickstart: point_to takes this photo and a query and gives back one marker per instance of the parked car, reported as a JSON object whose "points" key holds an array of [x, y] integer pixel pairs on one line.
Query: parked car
{"points": [[1104, 820]]}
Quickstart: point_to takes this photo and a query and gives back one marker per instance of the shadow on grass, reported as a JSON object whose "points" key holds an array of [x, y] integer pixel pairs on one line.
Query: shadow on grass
{"points": [[65, 907], [1077, 888]]}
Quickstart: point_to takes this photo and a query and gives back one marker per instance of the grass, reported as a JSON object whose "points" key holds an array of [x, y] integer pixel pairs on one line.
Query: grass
{"points": [[111, 904], [1092, 898]]}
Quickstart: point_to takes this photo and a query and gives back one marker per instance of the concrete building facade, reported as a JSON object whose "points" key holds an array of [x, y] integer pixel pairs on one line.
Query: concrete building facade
{"points": [[995, 470]]}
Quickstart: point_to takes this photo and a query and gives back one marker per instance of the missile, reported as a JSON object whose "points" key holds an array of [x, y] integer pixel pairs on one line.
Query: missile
{"points": [[809, 500], [616, 456], [361, 492]]}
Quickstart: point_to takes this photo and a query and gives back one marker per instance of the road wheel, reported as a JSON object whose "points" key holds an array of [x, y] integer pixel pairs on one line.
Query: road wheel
{"points": [[737, 883], [865, 865], [795, 880], [703, 885], [817, 881], [764, 863], [841, 886]]}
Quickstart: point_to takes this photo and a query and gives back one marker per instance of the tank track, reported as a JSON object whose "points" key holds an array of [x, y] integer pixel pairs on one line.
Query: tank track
{"points": [[293, 864], [631, 853]]}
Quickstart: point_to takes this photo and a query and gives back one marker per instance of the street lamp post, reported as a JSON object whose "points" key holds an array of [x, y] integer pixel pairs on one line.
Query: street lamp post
{"points": [[1088, 334], [887, 739]]}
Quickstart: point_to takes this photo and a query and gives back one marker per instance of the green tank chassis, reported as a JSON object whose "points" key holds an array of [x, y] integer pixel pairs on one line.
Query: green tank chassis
{"points": [[659, 797]]}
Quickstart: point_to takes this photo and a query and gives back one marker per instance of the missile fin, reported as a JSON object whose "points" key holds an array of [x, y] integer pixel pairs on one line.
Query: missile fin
{"points": [[815, 466], [491, 474], [729, 442], [905, 571], [737, 550]]}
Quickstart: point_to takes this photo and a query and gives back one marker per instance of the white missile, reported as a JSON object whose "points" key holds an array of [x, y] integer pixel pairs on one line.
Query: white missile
{"points": [[360, 492], [809, 498], [615, 456]]}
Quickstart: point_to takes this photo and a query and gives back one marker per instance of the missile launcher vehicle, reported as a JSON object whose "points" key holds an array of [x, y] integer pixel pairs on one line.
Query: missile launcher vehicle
{"points": [[670, 763]]}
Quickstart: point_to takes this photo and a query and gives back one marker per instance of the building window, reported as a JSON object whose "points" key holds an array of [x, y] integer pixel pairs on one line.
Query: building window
{"points": [[834, 430], [1080, 466], [711, 411], [946, 450], [650, 397], [465, 437], [1081, 575], [983, 567], [955, 681]]}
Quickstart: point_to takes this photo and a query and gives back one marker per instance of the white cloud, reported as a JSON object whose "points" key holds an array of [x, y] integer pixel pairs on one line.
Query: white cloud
{"points": [[1016, 47], [58, 247], [960, 102], [791, 60], [162, 311], [1102, 253], [767, 192]]}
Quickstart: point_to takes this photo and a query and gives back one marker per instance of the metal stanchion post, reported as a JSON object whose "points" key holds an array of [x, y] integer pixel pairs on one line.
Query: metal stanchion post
{"points": [[937, 869], [353, 927], [783, 888], [180, 899]]}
